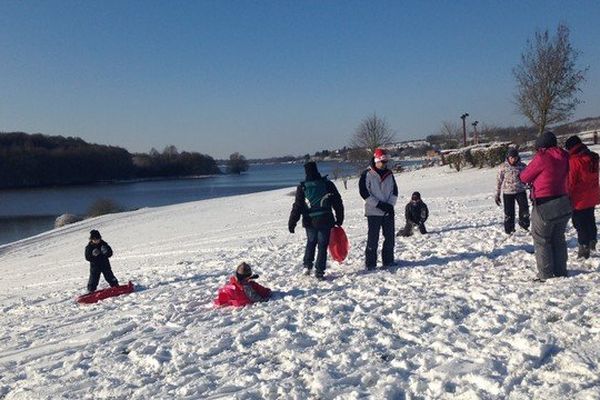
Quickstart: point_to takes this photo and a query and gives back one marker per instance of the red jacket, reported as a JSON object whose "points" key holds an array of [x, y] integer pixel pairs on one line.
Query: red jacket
{"points": [[233, 293], [547, 173], [583, 177]]}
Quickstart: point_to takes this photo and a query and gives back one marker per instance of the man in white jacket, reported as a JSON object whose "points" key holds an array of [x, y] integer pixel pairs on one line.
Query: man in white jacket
{"points": [[379, 190]]}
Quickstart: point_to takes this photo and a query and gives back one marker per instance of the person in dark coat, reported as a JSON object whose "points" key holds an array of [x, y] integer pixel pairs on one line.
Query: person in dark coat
{"points": [[416, 213], [97, 252], [316, 197], [584, 192], [547, 174]]}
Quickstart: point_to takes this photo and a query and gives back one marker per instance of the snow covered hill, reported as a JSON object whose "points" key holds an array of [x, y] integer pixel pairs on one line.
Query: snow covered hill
{"points": [[458, 318]]}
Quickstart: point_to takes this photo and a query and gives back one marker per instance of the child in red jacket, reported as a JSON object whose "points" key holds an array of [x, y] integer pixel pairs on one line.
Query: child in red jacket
{"points": [[584, 192], [241, 289]]}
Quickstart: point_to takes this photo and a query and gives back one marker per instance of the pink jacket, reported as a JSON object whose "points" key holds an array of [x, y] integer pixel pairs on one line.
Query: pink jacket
{"points": [[236, 293], [547, 173]]}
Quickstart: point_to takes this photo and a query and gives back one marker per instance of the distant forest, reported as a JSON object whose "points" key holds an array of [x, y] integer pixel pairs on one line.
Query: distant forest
{"points": [[40, 160]]}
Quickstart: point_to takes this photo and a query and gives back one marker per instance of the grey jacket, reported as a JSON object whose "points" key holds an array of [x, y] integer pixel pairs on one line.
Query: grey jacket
{"points": [[508, 180], [375, 188]]}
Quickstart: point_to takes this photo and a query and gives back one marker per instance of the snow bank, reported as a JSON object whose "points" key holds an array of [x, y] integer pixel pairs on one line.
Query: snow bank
{"points": [[458, 318]]}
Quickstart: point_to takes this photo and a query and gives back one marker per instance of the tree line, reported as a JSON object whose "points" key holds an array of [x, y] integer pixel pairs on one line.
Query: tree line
{"points": [[39, 160]]}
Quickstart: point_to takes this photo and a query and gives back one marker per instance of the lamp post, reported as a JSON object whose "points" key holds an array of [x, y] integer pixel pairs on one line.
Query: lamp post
{"points": [[463, 117], [475, 131]]}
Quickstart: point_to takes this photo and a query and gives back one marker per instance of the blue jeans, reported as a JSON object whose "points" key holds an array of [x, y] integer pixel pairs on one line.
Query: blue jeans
{"points": [[316, 238], [386, 224]]}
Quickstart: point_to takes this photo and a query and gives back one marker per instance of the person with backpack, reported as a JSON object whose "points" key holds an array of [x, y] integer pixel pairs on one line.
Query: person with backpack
{"points": [[584, 192], [416, 213], [316, 199], [547, 173], [513, 189], [378, 189]]}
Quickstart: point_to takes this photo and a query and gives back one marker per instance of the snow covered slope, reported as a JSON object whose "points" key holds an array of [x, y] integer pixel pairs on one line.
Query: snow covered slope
{"points": [[458, 318]]}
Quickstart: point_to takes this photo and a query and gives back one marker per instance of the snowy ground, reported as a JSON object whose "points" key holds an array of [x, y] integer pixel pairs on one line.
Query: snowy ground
{"points": [[458, 318]]}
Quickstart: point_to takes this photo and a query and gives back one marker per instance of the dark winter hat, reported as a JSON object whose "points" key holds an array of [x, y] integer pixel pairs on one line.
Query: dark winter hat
{"points": [[416, 196], [94, 234], [312, 173], [546, 140], [244, 271], [512, 152], [572, 142]]}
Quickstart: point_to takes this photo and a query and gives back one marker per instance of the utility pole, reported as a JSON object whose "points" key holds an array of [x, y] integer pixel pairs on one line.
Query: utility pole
{"points": [[475, 131], [463, 117]]}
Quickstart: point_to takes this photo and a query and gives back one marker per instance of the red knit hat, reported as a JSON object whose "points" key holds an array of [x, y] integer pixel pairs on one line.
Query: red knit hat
{"points": [[380, 155]]}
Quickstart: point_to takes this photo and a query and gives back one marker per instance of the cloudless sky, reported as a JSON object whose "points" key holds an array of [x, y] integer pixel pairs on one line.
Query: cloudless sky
{"points": [[269, 78]]}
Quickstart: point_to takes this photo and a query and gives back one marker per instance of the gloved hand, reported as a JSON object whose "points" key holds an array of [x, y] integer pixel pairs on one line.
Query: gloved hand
{"points": [[386, 207], [497, 200], [104, 249], [291, 228], [96, 252], [339, 221]]}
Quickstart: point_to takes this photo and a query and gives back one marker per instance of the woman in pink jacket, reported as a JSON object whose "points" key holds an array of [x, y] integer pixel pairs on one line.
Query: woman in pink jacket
{"points": [[547, 173]]}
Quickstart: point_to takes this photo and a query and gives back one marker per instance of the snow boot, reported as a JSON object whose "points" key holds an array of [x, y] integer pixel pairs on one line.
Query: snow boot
{"points": [[583, 251], [592, 245], [320, 275]]}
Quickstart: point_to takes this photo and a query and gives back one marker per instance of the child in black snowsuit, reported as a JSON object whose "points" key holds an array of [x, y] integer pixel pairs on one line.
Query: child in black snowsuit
{"points": [[416, 213], [97, 252]]}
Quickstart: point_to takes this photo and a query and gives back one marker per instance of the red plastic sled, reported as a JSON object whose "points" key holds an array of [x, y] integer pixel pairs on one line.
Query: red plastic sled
{"points": [[98, 295], [338, 244]]}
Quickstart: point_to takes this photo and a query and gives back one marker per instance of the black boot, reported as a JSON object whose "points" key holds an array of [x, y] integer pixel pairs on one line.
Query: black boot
{"points": [[592, 245], [583, 251]]}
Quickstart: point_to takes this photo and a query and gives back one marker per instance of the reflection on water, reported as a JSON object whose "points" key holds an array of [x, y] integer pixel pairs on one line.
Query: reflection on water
{"points": [[15, 228]]}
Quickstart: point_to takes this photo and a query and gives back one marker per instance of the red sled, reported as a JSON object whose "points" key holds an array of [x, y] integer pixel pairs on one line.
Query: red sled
{"points": [[338, 244], [98, 295]]}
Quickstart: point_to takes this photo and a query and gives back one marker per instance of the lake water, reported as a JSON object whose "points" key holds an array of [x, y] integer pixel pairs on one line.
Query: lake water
{"points": [[27, 212]]}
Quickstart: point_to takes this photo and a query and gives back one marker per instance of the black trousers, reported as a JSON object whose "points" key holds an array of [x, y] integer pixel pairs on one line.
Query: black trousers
{"points": [[509, 211], [584, 222], [95, 272], [376, 224], [409, 227]]}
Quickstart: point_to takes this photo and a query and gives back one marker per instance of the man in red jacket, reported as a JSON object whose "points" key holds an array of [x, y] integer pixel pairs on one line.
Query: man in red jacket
{"points": [[584, 191]]}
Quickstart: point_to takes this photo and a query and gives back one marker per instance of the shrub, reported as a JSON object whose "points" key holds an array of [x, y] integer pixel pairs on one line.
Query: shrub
{"points": [[478, 156], [497, 154], [103, 206], [455, 160]]}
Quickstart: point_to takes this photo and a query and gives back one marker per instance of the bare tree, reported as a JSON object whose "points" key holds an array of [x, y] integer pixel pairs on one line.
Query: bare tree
{"points": [[451, 129], [373, 132], [548, 79]]}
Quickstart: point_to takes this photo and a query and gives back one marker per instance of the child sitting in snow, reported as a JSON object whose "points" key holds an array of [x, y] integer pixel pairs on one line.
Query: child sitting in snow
{"points": [[416, 213], [241, 289], [97, 252]]}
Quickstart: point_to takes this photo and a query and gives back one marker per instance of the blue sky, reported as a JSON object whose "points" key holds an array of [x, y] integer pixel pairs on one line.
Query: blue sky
{"points": [[270, 78]]}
